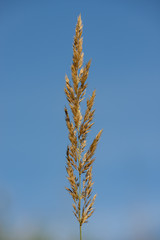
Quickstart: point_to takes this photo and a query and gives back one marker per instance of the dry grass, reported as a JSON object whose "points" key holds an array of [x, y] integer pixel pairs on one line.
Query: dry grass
{"points": [[79, 162]]}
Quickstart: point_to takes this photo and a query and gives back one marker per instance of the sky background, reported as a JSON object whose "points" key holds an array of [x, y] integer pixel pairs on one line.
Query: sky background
{"points": [[122, 39]]}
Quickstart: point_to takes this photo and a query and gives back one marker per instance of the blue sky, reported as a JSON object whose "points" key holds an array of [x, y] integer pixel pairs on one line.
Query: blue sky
{"points": [[122, 39]]}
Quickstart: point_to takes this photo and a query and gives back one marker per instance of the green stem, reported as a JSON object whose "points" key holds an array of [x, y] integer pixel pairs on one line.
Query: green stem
{"points": [[79, 196], [80, 232]]}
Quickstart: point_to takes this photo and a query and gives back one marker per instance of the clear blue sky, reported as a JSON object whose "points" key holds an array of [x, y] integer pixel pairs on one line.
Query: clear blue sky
{"points": [[123, 40]]}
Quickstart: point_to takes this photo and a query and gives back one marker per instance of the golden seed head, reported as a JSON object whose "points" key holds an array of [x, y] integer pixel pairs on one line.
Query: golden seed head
{"points": [[79, 163]]}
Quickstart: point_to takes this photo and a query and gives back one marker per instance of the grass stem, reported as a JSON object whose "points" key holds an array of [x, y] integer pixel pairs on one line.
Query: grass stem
{"points": [[80, 232], [79, 159]]}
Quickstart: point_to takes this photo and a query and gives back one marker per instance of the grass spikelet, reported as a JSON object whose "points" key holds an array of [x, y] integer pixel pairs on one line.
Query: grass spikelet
{"points": [[80, 162]]}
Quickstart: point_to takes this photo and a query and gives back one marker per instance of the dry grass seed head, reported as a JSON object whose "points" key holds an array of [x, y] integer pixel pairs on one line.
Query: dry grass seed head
{"points": [[78, 131]]}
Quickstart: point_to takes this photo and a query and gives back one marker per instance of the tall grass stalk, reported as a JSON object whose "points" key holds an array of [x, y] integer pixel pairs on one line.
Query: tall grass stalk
{"points": [[79, 160]]}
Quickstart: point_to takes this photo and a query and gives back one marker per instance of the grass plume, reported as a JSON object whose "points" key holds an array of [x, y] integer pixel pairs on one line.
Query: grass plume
{"points": [[79, 160]]}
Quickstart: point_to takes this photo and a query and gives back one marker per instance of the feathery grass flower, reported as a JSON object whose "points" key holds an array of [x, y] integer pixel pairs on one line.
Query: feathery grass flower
{"points": [[80, 161]]}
